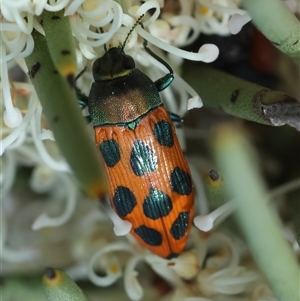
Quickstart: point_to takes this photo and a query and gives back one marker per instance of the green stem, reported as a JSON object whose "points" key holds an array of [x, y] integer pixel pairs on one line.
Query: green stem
{"points": [[257, 219], [60, 107], [58, 286], [240, 98], [215, 189], [61, 46], [277, 23]]}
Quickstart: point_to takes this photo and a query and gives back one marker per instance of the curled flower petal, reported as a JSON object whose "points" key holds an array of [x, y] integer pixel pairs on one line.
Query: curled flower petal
{"points": [[262, 293], [209, 53], [15, 42], [44, 220], [8, 168], [186, 265], [206, 223], [237, 22], [19, 141], [121, 227], [112, 277], [56, 5], [8, 140], [137, 12], [189, 29], [19, 256], [131, 284], [203, 55], [194, 95], [72, 7], [11, 255], [42, 134], [216, 240], [230, 281], [13, 118], [229, 9], [159, 266], [80, 23], [213, 16], [57, 165], [194, 102], [42, 179]]}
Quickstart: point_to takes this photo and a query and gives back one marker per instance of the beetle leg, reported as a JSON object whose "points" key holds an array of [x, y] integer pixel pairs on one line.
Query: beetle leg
{"points": [[78, 76], [175, 118], [165, 81], [82, 99], [83, 102]]}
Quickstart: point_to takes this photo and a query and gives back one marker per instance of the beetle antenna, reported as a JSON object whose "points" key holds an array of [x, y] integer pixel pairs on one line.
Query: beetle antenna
{"points": [[78, 76], [102, 31], [145, 44], [138, 21]]}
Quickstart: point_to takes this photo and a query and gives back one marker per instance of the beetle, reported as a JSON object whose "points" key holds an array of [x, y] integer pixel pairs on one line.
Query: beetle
{"points": [[149, 180]]}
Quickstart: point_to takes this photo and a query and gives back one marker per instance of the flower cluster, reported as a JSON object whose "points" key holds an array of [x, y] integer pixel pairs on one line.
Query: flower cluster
{"points": [[213, 265], [25, 133]]}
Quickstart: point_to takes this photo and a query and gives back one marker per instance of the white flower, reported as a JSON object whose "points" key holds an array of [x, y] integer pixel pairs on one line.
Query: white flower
{"points": [[229, 281], [213, 16], [19, 19], [23, 127]]}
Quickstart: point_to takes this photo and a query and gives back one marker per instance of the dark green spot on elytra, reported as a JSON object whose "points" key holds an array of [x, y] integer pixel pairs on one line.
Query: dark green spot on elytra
{"points": [[181, 181], [143, 158], [180, 225], [150, 236], [157, 204], [163, 133], [124, 201], [110, 151]]}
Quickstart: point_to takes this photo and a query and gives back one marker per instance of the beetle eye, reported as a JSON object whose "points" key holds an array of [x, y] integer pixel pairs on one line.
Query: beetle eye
{"points": [[128, 62]]}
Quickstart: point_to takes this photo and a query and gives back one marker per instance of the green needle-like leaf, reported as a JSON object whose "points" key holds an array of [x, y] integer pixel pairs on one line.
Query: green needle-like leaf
{"points": [[60, 107], [58, 286], [60, 43], [256, 217], [277, 23], [240, 98], [215, 189]]}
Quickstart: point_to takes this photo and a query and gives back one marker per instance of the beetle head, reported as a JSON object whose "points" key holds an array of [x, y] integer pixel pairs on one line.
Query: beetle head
{"points": [[114, 63]]}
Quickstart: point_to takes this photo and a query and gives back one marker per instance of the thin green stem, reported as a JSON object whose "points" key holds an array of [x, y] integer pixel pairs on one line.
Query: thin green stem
{"points": [[257, 219], [215, 189], [60, 107], [240, 98], [60, 43], [59, 286], [277, 23]]}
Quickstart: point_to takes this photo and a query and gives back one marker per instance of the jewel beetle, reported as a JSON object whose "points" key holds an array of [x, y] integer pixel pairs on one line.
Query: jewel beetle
{"points": [[148, 177]]}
